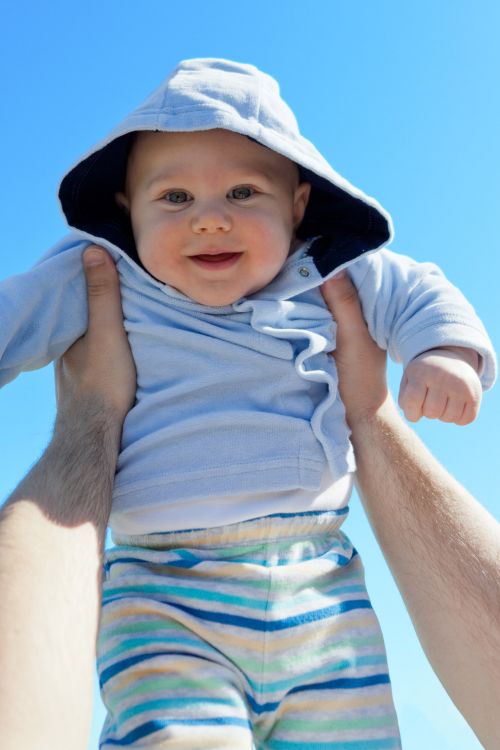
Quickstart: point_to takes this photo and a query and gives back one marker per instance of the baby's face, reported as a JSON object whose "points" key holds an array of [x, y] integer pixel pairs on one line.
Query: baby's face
{"points": [[213, 213]]}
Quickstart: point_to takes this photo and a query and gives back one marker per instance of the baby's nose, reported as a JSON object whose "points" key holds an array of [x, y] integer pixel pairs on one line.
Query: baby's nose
{"points": [[211, 217]]}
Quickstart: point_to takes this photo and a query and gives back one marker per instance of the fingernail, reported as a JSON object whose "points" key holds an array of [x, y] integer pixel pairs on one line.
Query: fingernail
{"points": [[93, 257]]}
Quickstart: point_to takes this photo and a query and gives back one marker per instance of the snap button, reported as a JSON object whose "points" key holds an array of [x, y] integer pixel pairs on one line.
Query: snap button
{"points": [[304, 271]]}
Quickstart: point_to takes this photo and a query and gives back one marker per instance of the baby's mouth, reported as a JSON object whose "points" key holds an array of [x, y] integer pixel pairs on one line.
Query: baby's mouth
{"points": [[215, 260]]}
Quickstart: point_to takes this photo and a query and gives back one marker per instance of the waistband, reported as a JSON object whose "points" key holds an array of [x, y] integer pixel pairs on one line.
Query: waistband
{"points": [[309, 525], [278, 539]]}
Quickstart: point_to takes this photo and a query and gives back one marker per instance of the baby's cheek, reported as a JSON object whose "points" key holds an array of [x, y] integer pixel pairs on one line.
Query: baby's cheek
{"points": [[272, 227], [155, 258]]}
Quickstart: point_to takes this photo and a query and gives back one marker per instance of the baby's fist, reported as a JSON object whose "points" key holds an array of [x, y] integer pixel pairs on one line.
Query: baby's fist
{"points": [[440, 384]]}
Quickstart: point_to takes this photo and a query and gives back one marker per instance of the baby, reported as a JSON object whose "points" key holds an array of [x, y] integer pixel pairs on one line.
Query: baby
{"points": [[235, 612]]}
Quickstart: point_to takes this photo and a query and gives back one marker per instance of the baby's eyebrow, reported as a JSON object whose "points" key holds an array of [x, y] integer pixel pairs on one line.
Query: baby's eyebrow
{"points": [[165, 174], [245, 174]]}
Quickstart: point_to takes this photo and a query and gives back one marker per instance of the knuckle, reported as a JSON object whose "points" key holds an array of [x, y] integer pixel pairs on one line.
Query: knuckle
{"points": [[98, 286]]}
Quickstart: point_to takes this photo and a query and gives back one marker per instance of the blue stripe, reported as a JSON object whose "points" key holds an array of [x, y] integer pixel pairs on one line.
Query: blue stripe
{"points": [[184, 564], [253, 624], [306, 513], [155, 726], [120, 666], [342, 683], [369, 660]]}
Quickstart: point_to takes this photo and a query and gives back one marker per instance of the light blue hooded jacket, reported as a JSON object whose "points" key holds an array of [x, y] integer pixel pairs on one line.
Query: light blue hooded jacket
{"points": [[239, 399]]}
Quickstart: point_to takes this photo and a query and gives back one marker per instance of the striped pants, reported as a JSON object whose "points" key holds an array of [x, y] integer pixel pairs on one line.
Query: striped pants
{"points": [[257, 635]]}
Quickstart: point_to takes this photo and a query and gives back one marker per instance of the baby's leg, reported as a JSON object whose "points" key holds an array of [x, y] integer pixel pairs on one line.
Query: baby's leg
{"points": [[326, 681], [163, 683]]}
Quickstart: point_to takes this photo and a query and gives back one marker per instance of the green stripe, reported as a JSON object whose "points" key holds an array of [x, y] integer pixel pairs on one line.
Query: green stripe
{"points": [[195, 643], [388, 743], [172, 703], [325, 725], [152, 684], [136, 627]]}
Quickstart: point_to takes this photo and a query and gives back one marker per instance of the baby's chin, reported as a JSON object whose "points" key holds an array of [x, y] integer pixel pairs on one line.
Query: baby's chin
{"points": [[213, 300], [208, 298]]}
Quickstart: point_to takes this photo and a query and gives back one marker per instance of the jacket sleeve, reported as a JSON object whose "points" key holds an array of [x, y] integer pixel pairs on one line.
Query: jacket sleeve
{"points": [[411, 307], [42, 311]]}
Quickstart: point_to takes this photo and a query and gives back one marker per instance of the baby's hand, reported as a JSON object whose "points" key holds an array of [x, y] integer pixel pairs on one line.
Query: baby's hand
{"points": [[442, 384]]}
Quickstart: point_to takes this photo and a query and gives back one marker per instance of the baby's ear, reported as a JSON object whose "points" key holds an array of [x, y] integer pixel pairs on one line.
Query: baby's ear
{"points": [[301, 199], [122, 201]]}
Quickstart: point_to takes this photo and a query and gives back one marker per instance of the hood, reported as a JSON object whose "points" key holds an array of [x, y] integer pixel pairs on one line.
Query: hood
{"points": [[203, 94]]}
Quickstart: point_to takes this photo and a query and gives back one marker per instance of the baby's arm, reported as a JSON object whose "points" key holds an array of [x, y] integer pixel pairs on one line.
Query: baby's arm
{"points": [[426, 323], [42, 311], [442, 384]]}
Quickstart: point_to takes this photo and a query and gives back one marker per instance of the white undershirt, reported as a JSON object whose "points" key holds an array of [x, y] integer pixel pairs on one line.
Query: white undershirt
{"points": [[203, 513]]}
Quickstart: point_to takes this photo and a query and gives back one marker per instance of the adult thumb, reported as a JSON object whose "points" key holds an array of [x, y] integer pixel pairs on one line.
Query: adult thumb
{"points": [[98, 270], [103, 288]]}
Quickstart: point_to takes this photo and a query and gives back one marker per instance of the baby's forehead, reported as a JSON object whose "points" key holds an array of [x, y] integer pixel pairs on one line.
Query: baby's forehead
{"points": [[225, 148]]}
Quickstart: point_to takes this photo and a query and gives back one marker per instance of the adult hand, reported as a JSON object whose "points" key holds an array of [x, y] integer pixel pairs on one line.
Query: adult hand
{"points": [[361, 364], [99, 369]]}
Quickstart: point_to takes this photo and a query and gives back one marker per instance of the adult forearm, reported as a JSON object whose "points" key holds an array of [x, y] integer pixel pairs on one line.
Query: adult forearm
{"points": [[444, 551], [52, 531]]}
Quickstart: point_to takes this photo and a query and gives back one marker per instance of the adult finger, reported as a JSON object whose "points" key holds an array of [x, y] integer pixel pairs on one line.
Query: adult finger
{"points": [[103, 290]]}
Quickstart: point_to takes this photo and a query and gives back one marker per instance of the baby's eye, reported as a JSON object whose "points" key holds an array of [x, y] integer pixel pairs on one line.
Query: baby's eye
{"points": [[176, 196], [240, 193]]}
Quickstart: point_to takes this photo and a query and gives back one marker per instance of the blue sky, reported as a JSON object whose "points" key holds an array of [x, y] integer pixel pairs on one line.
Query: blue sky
{"points": [[401, 97]]}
